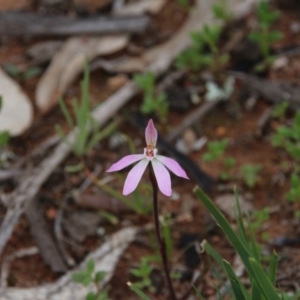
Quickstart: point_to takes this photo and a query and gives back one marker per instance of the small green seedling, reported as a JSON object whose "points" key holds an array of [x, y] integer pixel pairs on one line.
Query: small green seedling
{"points": [[250, 174], [20, 74], [293, 194], [288, 137], [196, 57], [280, 109], [229, 163], [221, 11], [215, 150], [152, 103], [87, 277], [87, 134], [259, 217], [4, 135], [143, 271], [264, 36], [185, 4]]}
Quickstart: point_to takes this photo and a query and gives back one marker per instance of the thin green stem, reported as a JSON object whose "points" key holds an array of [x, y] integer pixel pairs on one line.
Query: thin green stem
{"points": [[160, 239]]}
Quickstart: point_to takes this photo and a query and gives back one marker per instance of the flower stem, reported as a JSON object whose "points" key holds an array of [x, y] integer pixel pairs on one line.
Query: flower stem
{"points": [[160, 239]]}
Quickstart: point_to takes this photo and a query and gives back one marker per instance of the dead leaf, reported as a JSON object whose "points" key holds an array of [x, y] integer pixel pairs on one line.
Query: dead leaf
{"points": [[117, 81], [81, 224], [42, 52], [68, 63], [227, 202], [141, 7], [123, 64], [16, 114], [100, 200]]}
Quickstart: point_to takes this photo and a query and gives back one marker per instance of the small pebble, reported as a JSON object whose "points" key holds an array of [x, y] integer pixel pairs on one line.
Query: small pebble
{"points": [[295, 27], [117, 81], [280, 62], [51, 213], [189, 137]]}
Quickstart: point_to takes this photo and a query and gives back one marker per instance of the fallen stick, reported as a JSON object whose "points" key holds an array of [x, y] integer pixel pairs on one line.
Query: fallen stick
{"points": [[159, 59], [189, 120], [105, 259], [6, 263], [41, 233], [20, 24], [273, 91]]}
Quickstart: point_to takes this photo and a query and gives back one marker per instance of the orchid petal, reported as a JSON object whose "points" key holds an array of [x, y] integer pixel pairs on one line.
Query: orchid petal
{"points": [[134, 176], [151, 134], [162, 177], [125, 162], [172, 165]]}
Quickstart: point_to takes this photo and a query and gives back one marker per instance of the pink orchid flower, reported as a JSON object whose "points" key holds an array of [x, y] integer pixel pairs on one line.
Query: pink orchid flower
{"points": [[159, 164]]}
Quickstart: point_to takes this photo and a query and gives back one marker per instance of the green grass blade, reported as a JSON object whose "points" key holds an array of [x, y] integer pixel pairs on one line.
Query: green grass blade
{"points": [[66, 112], [273, 268], [240, 221], [61, 134], [238, 289], [256, 293], [198, 294], [214, 254], [224, 224], [263, 281], [102, 134], [166, 230], [140, 293], [218, 292], [119, 196], [254, 248]]}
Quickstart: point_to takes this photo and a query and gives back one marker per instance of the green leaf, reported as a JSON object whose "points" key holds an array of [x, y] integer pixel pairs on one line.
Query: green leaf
{"points": [[4, 138], [256, 292], [274, 36], [111, 218], [66, 112], [221, 11], [102, 296], [90, 266], [273, 268], [12, 69], [235, 240], [99, 276], [82, 277], [238, 289], [137, 272], [90, 296], [240, 221], [214, 254], [102, 134], [74, 168], [32, 72], [255, 36], [253, 267], [254, 248], [61, 134], [263, 281], [134, 288]]}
